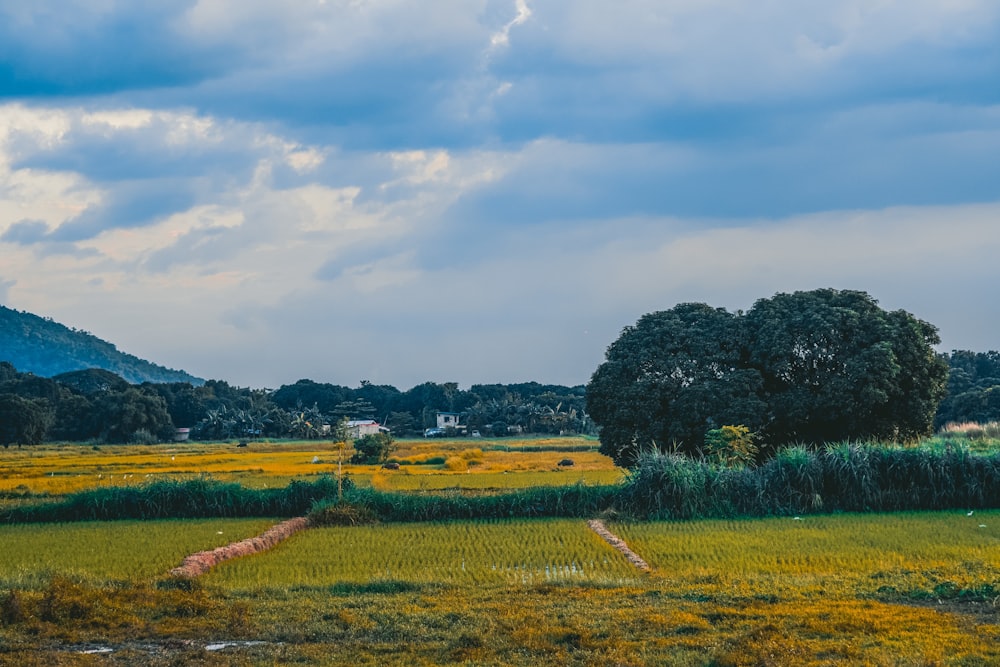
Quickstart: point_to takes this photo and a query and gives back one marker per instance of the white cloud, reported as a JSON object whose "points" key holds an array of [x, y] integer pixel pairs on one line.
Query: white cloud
{"points": [[502, 36], [460, 190]]}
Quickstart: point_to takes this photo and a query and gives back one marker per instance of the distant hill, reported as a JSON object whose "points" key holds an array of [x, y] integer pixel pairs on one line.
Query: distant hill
{"points": [[41, 346]]}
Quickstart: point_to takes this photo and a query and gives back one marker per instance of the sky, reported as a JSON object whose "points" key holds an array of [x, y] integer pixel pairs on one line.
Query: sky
{"points": [[482, 191]]}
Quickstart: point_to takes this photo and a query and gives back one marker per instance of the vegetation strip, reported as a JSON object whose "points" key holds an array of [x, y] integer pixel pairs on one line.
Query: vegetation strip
{"points": [[618, 543], [198, 564]]}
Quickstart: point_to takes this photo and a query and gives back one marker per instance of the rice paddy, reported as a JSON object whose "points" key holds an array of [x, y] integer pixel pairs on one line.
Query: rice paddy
{"points": [[913, 554], [543, 592], [462, 553], [880, 589], [108, 551]]}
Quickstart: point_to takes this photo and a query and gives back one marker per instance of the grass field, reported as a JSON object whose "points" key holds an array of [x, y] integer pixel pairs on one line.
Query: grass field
{"points": [[873, 589], [830, 590], [62, 469]]}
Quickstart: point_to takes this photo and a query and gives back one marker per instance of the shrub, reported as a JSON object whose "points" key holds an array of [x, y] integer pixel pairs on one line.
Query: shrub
{"points": [[327, 513], [730, 446]]}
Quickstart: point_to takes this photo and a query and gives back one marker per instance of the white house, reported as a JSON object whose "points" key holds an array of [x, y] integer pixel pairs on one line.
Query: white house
{"points": [[448, 419], [358, 428]]}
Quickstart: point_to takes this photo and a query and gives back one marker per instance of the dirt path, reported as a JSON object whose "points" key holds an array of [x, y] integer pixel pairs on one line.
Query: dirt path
{"points": [[618, 543], [198, 564]]}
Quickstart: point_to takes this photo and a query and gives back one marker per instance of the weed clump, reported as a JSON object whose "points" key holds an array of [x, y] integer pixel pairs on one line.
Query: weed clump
{"points": [[327, 513]]}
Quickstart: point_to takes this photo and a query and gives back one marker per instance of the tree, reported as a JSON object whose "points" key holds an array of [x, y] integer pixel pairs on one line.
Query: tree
{"points": [[808, 367], [670, 378], [373, 448], [838, 367], [120, 415], [22, 421], [973, 388]]}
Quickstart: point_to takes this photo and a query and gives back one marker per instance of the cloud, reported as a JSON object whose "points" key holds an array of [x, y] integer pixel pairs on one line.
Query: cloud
{"points": [[404, 191], [25, 232], [502, 37], [87, 48]]}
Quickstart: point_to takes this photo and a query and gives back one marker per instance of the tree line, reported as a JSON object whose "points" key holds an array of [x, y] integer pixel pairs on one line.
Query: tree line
{"points": [[97, 405], [803, 368]]}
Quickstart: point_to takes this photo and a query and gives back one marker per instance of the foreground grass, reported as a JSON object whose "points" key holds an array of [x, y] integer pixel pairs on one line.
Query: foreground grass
{"points": [[918, 555], [843, 589]]}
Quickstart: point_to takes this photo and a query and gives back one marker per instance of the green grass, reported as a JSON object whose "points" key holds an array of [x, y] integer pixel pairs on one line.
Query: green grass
{"points": [[496, 481], [919, 554], [110, 551], [470, 552]]}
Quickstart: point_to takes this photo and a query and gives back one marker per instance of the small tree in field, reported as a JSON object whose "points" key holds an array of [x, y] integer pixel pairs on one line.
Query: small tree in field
{"points": [[730, 446], [373, 448]]}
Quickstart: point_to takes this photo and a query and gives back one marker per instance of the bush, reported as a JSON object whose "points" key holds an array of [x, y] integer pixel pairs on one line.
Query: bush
{"points": [[730, 446], [327, 513], [579, 501]]}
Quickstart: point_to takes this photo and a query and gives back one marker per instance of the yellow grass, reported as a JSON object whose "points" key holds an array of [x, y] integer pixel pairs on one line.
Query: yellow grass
{"points": [[61, 469]]}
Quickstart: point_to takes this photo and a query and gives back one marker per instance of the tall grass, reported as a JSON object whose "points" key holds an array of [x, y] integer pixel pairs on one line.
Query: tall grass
{"points": [[196, 498], [578, 500], [845, 477]]}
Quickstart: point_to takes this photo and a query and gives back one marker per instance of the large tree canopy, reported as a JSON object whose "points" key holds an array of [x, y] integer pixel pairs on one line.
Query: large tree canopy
{"points": [[22, 421], [807, 367]]}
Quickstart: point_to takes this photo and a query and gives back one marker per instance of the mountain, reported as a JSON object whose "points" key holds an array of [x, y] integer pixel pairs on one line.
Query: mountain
{"points": [[41, 346]]}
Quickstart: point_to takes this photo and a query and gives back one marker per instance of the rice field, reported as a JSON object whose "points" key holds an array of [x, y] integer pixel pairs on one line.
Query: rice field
{"points": [[821, 591], [110, 551], [461, 553], [868, 554], [879, 589]]}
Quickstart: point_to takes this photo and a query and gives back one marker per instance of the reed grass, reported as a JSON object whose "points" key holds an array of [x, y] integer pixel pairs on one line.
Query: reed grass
{"points": [[845, 477], [579, 500], [195, 498]]}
